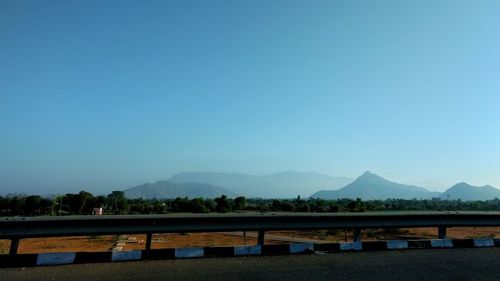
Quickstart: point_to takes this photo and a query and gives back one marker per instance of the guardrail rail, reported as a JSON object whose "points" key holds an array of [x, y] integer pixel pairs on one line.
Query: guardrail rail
{"points": [[16, 228]]}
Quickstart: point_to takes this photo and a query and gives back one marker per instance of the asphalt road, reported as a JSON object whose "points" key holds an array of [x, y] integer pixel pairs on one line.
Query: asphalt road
{"points": [[433, 264]]}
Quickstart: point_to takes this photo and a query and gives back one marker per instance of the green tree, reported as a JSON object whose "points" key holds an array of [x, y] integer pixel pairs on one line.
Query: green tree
{"points": [[87, 202], [223, 204], [198, 206], [118, 202], [239, 203], [32, 205]]}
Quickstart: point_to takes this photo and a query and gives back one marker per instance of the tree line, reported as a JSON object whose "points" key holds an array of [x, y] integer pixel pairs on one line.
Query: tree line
{"points": [[83, 203]]}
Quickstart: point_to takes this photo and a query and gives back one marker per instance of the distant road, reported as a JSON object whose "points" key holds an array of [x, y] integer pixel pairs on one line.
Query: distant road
{"points": [[435, 264]]}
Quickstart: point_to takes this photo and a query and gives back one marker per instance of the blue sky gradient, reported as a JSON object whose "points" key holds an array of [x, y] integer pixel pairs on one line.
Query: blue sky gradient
{"points": [[99, 95]]}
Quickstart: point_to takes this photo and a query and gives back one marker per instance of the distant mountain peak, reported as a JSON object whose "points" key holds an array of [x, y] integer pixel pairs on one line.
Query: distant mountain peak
{"points": [[369, 186], [369, 177]]}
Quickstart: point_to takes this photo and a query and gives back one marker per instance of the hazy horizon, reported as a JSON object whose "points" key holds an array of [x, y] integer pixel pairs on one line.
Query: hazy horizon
{"points": [[100, 95], [102, 190]]}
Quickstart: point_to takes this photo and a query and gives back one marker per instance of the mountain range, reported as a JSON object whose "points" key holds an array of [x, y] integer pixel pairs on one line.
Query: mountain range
{"points": [[286, 184], [289, 184]]}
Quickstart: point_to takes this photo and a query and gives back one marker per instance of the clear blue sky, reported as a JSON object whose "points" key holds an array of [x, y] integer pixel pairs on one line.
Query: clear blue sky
{"points": [[99, 95]]}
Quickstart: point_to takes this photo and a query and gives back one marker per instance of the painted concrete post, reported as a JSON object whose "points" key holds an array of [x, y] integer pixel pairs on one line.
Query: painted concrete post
{"points": [[442, 232], [260, 239], [149, 238], [14, 244], [356, 235]]}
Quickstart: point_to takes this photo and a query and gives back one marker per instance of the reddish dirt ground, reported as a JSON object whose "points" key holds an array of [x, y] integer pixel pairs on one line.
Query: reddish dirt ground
{"points": [[189, 240], [106, 243], [62, 244]]}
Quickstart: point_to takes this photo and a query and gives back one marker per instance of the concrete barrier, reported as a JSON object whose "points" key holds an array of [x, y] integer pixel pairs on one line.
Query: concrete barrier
{"points": [[397, 244], [126, 255], [55, 258], [26, 260], [483, 242], [301, 248], [183, 253], [253, 250], [441, 243], [353, 246]]}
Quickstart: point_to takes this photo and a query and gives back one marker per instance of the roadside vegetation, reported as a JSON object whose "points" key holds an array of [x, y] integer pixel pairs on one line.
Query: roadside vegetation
{"points": [[83, 203]]}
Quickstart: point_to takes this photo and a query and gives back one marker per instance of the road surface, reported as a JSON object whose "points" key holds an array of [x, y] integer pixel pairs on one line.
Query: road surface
{"points": [[432, 264]]}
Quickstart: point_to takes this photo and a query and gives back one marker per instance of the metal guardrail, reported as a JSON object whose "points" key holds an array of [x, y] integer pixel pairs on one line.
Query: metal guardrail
{"points": [[16, 228]]}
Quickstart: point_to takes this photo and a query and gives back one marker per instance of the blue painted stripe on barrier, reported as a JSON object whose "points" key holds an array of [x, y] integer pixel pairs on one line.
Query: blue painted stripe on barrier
{"points": [[126, 255], [441, 243], [55, 258], [397, 244], [483, 242], [353, 246], [297, 248], [189, 252]]}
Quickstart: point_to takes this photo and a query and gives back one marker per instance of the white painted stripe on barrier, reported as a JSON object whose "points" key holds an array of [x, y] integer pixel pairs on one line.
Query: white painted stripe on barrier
{"points": [[441, 243], [189, 252], [126, 255], [300, 247], [353, 246], [241, 250], [397, 244], [255, 250], [483, 242], [448, 243], [55, 258]]}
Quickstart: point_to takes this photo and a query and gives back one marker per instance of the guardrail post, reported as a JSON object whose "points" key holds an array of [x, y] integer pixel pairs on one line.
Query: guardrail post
{"points": [[356, 235], [442, 232], [260, 238], [14, 244], [149, 238]]}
